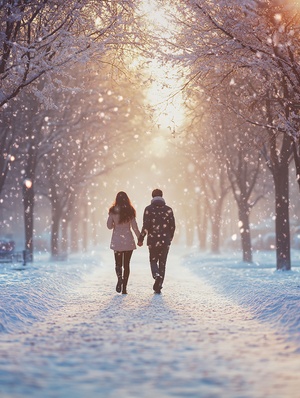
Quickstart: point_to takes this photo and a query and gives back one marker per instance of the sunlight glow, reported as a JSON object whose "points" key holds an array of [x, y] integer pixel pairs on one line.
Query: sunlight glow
{"points": [[155, 17], [159, 146], [164, 93], [165, 97]]}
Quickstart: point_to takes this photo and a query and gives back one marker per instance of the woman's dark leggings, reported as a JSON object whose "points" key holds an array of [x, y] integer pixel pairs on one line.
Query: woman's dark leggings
{"points": [[122, 259]]}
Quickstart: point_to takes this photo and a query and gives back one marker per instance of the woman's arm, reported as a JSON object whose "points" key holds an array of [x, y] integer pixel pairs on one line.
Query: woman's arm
{"points": [[110, 222], [135, 227]]}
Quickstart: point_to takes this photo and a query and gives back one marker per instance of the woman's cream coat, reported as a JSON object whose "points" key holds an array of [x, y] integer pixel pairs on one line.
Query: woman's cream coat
{"points": [[122, 238]]}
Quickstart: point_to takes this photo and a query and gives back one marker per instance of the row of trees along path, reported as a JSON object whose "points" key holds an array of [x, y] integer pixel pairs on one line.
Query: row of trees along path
{"points": [[240, 69]]}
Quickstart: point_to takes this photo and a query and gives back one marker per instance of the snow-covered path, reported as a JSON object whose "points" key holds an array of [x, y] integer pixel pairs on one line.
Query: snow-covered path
{"points": [[187, 342]]}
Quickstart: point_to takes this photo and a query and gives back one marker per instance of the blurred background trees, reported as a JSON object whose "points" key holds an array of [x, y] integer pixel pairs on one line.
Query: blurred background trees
{"points": [[199, 98]]}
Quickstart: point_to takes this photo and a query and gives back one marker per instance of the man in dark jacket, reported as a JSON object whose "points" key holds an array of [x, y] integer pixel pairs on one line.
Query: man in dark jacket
{"points": [[159, 226]]}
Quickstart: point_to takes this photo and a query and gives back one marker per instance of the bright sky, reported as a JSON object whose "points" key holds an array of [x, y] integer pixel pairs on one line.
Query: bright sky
{"points": [[165, 96]]}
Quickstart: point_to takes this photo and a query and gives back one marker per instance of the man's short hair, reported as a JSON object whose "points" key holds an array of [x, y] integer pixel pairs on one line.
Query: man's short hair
{"points": [[157, 192]]}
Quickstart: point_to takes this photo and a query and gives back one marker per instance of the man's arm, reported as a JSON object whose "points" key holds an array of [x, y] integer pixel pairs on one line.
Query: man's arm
{"points": [[172, 224], [145, 227]]}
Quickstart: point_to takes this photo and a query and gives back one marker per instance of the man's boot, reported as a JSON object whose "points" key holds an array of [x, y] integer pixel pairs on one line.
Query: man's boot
{"points": [[157, 284]]}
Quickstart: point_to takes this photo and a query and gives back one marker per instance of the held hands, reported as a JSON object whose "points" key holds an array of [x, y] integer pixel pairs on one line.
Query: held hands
{"points": [[140, 243]]}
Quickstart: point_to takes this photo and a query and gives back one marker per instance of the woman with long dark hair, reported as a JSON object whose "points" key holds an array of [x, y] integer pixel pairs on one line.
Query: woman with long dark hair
{"points": [[122, 220]]}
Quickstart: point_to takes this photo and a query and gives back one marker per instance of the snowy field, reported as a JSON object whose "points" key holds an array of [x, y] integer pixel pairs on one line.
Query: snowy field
{"points": [[220, 328]]}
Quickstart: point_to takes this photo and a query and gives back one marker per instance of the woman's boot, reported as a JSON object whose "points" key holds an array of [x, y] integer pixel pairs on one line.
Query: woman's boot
{"points": [[124, 290], [120, 280]]}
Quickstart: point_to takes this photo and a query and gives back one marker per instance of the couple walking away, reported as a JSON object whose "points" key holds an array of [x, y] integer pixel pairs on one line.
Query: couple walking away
{"points": [[158, 225]]}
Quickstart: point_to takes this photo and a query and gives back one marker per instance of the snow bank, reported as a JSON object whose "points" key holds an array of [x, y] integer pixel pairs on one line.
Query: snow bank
{"points": [[272, 296], [29, 292]]}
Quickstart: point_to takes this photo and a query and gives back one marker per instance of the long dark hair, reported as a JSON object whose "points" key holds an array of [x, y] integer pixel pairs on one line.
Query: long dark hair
{"points": [[123, 207]]}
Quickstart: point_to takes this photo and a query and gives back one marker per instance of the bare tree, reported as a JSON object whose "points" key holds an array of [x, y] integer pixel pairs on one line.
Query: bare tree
{"points": [[243, 165], [42, 37]]}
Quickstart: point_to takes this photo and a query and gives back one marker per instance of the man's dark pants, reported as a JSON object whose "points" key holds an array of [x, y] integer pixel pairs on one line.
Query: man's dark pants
{"points": [[158, 258]]}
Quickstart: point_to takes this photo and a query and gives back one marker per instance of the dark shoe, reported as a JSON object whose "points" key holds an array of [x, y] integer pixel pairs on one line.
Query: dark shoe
{"points": [[157, 284], [124, 291], [119, 285]]}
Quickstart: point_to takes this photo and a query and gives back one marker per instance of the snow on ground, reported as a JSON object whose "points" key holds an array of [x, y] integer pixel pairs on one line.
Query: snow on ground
{"points": [[219, 329], [272, 296]]}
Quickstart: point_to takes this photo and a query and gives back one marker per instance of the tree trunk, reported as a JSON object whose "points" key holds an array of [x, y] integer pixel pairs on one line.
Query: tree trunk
{"points": [[64, 239], [245, 232], [74, 235], [202, 219], [55, 234], [28, 197], [7, 138], [282, 223], [216, 226], [85, 228], [296, 149], [28, 203]]}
